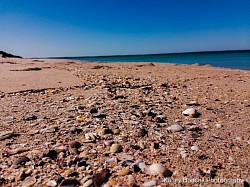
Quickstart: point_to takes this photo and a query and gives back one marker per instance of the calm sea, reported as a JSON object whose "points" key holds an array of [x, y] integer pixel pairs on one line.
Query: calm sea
{"points": [[227, 59]]}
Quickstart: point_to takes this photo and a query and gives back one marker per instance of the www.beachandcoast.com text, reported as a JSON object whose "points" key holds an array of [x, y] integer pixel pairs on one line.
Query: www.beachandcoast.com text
{"points": [[202, 180]]}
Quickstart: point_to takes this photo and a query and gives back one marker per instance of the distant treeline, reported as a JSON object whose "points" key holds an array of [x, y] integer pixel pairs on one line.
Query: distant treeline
{"points": [[7, 55]]}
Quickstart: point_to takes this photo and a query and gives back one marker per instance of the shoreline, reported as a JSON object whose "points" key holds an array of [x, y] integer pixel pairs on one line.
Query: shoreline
{"points": [[122, 118]]}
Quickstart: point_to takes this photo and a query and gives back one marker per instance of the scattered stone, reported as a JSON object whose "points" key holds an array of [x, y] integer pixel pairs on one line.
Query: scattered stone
{"points": [[149, 183], [51, 183], [29, 181], [123, 172], [116, 131], [218, 125], [191, 112], [101, 177], [195, 148], [29, 117], [175, 128], [17, 151], [74, 144], [159, 169], [115, 148], [88, 183], [69, 183], [6, 135], [22, 160]]}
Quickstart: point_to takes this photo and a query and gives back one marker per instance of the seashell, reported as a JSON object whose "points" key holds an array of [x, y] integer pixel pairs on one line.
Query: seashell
{"points": [[131, 180], [51, 183], [218, 125], [195, 148], [191, 112], [238, 138], [143, 166], [115, 148], [28, 182], [231, 159], [149, 183], [159, 169], [88, 183], [33, 132], [175, 128], [123, 172]]}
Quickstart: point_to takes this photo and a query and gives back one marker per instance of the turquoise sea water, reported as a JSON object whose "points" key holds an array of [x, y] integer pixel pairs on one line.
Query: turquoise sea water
{"points": [[227, 59]]}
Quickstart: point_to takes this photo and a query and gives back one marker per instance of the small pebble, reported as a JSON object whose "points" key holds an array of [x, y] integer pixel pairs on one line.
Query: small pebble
{"points": [[175, 128], [191, 112], [28, 182], [51, 183], [195, 148], [149, 183], [218, 125], [115, 148], [116, 131], [21, 160], [123, 172], [159, 169], [88, 183], [238, 138], [75, 144]]}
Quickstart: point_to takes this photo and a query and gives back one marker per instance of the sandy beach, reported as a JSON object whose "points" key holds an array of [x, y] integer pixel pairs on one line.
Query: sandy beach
{"points": [[72, 123]]}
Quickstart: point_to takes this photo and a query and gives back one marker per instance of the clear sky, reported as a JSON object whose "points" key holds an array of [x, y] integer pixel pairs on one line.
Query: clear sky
{"points": [[43, 28]]}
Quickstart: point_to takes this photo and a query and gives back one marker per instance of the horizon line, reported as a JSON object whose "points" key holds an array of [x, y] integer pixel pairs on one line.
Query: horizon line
{"points": [[150, 54]]}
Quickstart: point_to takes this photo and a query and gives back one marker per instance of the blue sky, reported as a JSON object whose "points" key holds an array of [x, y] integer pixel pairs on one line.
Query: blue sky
{"points": [[43, 28]]}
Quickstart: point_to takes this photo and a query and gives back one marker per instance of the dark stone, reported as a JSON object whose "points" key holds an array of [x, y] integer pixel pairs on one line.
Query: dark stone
{"points": [[246, 184], [69, 183], [51, 154], [22, 160], [75, 144], [128, 163], [29, 117], [93, 110], [101, 178], [142, 133]]}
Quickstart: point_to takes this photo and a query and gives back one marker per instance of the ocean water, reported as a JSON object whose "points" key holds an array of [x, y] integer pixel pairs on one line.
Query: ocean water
{"points": [[225, 59]]}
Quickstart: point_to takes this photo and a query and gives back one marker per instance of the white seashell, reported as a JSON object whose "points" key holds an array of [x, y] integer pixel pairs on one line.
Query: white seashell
{"points": [[88, 183], [218, 125], [143, 166], [29, 182], [51, 183], [175, 128], [131, 180], [149, 183], [231, 159], [195, 148], [238, 138], [191, 112], [159, 169]]}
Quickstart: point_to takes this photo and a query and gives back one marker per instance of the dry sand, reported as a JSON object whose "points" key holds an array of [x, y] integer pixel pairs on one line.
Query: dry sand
{"points": [[47, 104]]}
